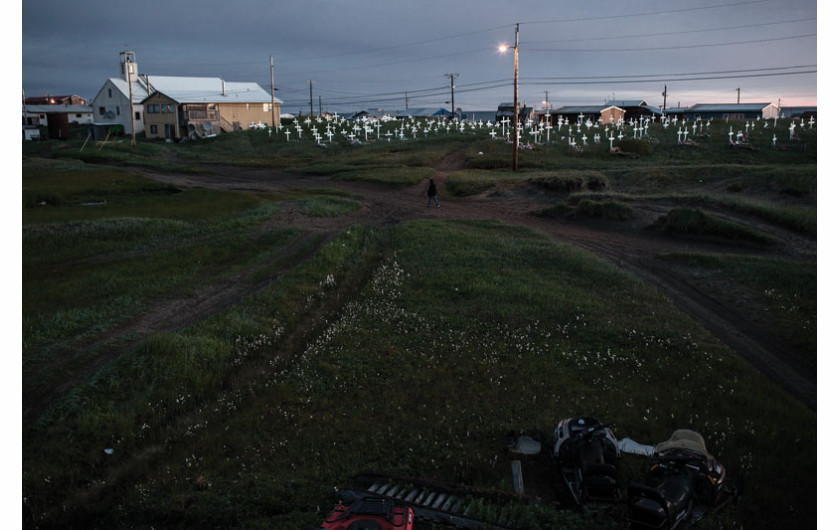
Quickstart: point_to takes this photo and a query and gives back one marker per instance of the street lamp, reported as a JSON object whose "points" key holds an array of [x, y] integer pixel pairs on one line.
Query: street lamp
{"points": [[504, 48]]}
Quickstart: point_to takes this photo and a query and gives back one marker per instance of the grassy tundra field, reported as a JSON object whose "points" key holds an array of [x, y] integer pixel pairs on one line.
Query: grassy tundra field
{"points": [[217, 334]]}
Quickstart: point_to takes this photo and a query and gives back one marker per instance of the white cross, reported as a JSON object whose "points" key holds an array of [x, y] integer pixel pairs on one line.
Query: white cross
{"points": [[792, 128], [620, 136], [611, 140], [774, 140], [287, 135], [329, 135], [730, 135], [493, 134], [597, 138], [811, 122], [679, 135], [584, 139]]}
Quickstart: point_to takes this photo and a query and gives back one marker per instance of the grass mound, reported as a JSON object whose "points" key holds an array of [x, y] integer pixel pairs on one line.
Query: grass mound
{"points": [[698, 223]]}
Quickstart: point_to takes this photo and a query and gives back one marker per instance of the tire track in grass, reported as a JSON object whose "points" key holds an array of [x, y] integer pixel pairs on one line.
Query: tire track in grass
{"points": [[169, 315]]}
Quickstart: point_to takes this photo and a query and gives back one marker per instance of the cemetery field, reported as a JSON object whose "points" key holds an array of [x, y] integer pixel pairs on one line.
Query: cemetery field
{"points": [[219, 333]]}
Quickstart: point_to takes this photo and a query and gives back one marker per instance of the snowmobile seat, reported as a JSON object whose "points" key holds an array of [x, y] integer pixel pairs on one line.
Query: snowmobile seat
{"points": [[599, 482]]}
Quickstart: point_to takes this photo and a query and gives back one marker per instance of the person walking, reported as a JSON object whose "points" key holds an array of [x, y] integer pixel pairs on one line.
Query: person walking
{"points": [[432, 193]]}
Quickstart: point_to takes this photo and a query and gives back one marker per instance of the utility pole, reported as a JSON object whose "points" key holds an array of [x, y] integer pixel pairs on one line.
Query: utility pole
{"points": [[131, 110], [452, 89], [664, 98], [547, 119], [273, 122], [311, 108], [739, 95], [319, 106], [516, 101], [406, 101]]}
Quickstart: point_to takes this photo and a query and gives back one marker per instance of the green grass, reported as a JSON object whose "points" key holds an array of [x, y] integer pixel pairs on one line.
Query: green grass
{"points": [[391, 176], [411, 349], [439, 337], [776, 295], [694, 222]]}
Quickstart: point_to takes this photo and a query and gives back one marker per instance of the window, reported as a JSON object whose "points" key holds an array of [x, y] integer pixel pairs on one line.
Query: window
{"points": [[153, 129], [137, 115], [266, 107], [109, 92], [78, 115], [101, 111], [118, 111]]}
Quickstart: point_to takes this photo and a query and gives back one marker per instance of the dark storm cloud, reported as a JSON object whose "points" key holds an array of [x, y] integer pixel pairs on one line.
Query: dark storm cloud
{"points": [[377, 52]]}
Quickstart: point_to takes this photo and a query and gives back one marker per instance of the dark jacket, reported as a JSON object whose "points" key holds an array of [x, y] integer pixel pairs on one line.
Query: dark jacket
{"points": [[432, 189]]}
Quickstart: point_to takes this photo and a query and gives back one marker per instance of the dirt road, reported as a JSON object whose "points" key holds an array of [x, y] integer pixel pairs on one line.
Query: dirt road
{"points": [[627, 244]]}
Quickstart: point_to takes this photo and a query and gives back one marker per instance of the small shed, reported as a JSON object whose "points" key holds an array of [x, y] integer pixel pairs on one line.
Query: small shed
{"points": [[612, 114]]}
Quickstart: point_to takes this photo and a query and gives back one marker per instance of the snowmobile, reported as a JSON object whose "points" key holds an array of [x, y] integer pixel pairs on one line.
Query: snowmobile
{"points": [[684, 482], [586, 454], [369, 513]]}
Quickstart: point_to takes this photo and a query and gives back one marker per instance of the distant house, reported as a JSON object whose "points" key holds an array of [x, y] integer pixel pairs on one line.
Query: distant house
{"points": [[505, 111], [179, 107], [798, 112], [56, 118], [576, 113], [484, 116], [677, 112], [732, 111], [55, 100], [612, 115], [428, 112], [39, 114], [635, 110], [373, 114]]}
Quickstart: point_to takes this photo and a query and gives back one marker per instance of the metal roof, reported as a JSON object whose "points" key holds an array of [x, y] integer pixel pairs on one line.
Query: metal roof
{"points": [[579, 109], [728, 107], [58, 109], [209, 90], [138, 89]]}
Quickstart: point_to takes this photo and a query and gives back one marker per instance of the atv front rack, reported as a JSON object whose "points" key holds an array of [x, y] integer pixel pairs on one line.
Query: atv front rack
{"points": [[443, 504]]}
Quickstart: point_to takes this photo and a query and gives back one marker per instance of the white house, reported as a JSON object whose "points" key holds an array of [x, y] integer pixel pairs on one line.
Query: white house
{"points": [[111, 105], [37, 114]]}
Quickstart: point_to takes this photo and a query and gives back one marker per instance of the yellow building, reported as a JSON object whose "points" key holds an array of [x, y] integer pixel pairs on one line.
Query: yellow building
{"points": [[184, 107]]}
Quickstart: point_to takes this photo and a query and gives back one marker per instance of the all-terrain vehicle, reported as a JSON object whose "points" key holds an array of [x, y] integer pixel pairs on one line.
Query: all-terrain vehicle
{"points": [[370, 513], [586, 456], [684, 482]]}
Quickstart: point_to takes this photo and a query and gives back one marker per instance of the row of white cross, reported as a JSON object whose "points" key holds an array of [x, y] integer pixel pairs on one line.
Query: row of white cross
{"points": [[352, 129]]}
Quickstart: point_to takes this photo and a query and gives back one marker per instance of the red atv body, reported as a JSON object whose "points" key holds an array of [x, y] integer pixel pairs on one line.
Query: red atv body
{"points": [[370, 513]]}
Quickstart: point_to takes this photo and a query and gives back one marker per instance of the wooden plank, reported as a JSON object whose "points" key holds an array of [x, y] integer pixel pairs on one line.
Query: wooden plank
{"points": [[518, 484]]}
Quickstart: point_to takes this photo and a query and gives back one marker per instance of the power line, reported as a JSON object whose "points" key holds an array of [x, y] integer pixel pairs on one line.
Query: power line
{"points": [[611, 50], [683, 74], [645, 14], [681, 32], [677, 79]]}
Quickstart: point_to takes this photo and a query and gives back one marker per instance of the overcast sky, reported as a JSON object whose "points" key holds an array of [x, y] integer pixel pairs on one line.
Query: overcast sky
{"points": [[378, 53]]}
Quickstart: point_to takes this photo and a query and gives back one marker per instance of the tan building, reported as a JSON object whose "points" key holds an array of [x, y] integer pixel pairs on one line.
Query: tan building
{"points": [[612, 114], [184, 107]]}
